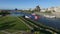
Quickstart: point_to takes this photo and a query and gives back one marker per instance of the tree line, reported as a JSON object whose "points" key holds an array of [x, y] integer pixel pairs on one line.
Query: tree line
{"points": [[4, 12]]}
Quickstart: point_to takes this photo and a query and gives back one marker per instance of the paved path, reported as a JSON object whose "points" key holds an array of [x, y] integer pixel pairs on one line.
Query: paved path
{"points": [[25, 23], [17, 32], [5, 32], [32, 23]]}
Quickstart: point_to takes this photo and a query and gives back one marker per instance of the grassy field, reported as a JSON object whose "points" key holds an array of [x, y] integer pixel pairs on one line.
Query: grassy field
{"points": [[17, 25], [10, 24]]}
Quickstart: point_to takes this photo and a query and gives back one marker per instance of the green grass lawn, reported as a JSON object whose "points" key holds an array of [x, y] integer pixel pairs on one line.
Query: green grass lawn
{"points": [[18, 25], [2, 33]]}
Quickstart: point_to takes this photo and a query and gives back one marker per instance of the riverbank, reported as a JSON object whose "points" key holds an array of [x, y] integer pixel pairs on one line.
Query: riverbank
{"points": [[14, 25]]}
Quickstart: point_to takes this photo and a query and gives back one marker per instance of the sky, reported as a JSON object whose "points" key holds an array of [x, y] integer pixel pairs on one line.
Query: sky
{"points": [[27, 4]]}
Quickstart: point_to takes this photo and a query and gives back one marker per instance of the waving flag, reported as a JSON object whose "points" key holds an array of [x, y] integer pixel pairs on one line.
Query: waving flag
{"points": [[32, 16], [35, 17]]}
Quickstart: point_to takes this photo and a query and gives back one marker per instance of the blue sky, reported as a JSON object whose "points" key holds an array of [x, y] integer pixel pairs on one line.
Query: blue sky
{"points": [[26, 4]]}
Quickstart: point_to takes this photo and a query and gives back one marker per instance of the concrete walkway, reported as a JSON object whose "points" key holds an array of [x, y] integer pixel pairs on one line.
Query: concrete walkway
{"points": [[25, 23]]}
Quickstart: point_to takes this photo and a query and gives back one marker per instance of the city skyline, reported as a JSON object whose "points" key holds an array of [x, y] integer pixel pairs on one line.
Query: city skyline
{"points": [[26, 4]]}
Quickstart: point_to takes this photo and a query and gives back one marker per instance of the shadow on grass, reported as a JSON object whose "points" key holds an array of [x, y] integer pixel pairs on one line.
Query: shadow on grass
{"points": [[2, 18], [7, 25]]}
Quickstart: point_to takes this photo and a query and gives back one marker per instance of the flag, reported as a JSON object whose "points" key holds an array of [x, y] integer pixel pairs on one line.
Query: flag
{"points": [[36, 17], [33, 14]]}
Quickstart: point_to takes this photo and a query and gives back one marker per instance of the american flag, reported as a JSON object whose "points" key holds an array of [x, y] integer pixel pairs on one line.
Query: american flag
{"points": [[34, 16]]}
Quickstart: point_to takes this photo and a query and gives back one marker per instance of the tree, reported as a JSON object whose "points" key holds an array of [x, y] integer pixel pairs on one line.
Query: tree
{"points": [[38, 8], [53, 10], [4, 12], [16, 9]]}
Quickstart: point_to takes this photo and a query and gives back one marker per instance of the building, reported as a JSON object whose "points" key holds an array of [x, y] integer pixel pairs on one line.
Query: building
{"points": [[57, 9], [43, 10]]}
